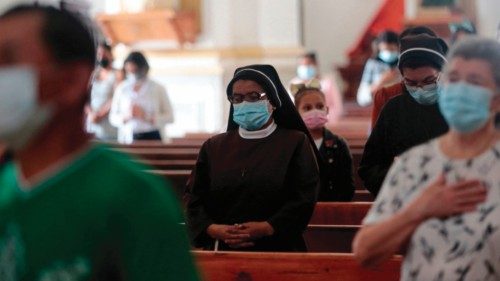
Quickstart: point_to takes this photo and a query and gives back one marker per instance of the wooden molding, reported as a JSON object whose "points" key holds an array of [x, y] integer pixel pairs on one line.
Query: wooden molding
{"points": [[130, 28], [235, 52]]}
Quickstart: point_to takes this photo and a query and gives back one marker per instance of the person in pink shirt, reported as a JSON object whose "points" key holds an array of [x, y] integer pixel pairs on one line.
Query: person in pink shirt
{"points": [[308, 69]]}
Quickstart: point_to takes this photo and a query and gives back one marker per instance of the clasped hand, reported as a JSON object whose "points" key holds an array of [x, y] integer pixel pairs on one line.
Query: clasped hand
{"points": [[240, 235]]}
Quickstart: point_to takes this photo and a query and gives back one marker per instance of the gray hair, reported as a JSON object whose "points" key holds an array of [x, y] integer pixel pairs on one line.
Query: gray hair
{"points": [[474, 47]]}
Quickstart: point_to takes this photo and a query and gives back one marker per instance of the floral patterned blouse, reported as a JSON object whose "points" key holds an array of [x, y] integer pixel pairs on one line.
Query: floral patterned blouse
{"points": [[459, 247]]}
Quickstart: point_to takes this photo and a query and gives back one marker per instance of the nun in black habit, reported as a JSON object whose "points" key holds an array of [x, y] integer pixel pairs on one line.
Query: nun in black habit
{"points": [[254, 187]]}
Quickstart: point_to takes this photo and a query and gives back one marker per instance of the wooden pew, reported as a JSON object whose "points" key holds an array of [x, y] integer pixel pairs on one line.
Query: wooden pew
{"points": [[354, 143], [256, 266], [157, 144], [170, 164], [187, 164], [362, 195], [163, 153], [322, 238], [179, 178], [340, 213]]}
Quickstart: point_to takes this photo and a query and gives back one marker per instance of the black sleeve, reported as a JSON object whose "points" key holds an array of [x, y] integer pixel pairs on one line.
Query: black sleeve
{"points": [[343, 181], [377, 157], [197, 218], [302, 184]]}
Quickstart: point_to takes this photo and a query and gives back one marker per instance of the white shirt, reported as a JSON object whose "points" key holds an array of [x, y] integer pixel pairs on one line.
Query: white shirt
{"points": [[460, 247], [151, 97], [318, 142], [102, 92]]}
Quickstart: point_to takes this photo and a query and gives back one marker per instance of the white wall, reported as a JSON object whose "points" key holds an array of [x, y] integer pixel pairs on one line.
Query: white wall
{"points": [[331, 27], [244, 23], [6, 4], [279, 23], [488, 17]]}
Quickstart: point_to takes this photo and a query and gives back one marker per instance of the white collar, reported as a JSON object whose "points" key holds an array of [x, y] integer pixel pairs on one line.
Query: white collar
{"points": [[259, 134], [318, 142]]}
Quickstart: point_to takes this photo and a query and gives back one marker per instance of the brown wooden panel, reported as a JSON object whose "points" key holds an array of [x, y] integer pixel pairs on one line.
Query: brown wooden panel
{"points": [[129, 28], [340, 213], [242, 266], [163, 153], [362, 196], [330, 238], [170, 164]]}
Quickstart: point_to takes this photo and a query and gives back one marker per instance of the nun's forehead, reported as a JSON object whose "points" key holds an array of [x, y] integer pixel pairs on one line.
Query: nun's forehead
{"points": [[246, 85]]}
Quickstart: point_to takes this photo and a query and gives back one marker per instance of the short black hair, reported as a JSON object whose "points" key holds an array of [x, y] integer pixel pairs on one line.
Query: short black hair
{"points": [[139, 60], [310, 55], [387, 36], [105, 46], [67, 37], [420, 29], [417, 62]]}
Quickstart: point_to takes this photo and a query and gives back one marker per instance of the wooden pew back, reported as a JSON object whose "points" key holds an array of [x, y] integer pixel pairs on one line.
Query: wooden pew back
{"points": [[340, 213], [163, 153], [242, 266], [330, 238], [179, 179]]}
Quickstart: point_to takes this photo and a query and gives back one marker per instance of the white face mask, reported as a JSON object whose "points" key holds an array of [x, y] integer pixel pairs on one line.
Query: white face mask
{"points": [[132, 78], [21, 117]]}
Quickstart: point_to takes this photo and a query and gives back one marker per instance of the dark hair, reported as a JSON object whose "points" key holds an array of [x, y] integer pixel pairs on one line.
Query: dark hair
{"points": [[387, 36], [422, 50], [311, 56], [139, 60], [105, 46], [66, 36], [417, 30], [304, 92], [416, 62]]}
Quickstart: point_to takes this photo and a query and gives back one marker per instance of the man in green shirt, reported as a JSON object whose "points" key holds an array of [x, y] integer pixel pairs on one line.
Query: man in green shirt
{"points": [[70, 210]]}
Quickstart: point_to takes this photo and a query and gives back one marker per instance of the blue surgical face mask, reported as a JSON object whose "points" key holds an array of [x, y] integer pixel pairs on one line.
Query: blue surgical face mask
{"points": [[465, 107], [306, 72], [388, 56], [425, 95], [251, 116]]}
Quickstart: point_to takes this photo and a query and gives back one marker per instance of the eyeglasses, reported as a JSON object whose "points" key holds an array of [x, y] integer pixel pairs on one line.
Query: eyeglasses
{"points": [[426, 82], [236, 98]]}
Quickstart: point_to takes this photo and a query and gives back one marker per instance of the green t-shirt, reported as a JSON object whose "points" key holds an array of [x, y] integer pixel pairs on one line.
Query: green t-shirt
{"points": [[99, 218]]}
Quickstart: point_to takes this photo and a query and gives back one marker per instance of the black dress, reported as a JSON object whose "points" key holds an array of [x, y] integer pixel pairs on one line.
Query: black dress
{"points": [[403, 123], [237, 180], [337, 182]]}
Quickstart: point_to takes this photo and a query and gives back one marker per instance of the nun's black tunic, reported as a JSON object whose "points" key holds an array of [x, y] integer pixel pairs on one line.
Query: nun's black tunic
{"points": [[237, 180]]}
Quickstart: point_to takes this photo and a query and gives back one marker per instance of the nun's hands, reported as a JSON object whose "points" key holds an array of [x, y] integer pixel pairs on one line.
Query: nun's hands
{"points": [[230, 234], [257, 229], [254, 230]]}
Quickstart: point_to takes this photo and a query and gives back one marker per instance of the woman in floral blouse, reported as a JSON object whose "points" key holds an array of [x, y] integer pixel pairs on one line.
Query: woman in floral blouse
{"points": [[440, 202]]}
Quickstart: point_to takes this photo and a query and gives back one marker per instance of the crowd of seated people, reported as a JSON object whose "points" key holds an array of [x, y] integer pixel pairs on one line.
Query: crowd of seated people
{"points": [[74, 209]]}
